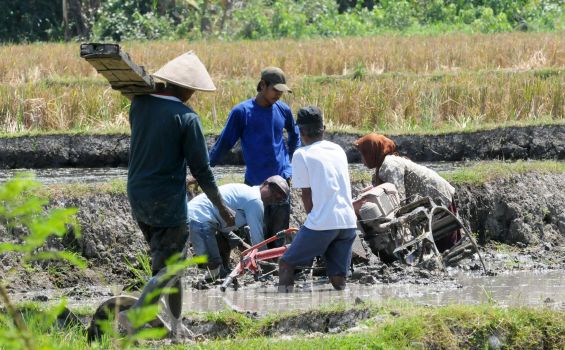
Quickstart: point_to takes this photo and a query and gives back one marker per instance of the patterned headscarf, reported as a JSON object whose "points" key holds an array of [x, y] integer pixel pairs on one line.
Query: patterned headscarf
{"points": [[374, 148]]}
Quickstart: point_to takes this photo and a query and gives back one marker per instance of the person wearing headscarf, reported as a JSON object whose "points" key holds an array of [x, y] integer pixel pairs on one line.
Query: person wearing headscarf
{"points": [[412, 180]]}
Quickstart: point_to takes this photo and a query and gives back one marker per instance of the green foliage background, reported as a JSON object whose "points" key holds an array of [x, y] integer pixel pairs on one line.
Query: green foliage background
{"points": [[117, 20]]}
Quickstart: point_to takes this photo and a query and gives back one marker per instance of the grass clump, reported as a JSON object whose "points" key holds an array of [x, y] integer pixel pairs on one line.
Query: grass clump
{"points": [[484, 172], [81, 190]]}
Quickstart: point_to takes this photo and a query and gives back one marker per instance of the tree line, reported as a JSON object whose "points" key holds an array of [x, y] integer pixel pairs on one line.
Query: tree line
{"points": [[116, 20]]}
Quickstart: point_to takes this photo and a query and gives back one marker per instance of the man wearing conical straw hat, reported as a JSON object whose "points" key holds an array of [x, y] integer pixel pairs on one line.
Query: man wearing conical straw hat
{"points": [[166, 136]]}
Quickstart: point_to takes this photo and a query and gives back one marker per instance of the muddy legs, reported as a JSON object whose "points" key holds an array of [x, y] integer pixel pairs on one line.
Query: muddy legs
{"points": [[286, 277]]}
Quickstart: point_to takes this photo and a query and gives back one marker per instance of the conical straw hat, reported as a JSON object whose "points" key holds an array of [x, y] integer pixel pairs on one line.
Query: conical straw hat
{"points": [[187, 71]]}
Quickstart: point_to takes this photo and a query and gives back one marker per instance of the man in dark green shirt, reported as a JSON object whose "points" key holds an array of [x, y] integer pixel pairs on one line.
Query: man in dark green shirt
{"points": [[166, 136]]}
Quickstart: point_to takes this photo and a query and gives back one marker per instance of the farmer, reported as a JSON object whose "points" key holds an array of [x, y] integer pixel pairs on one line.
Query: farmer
{"points": [[379, 152], [166, 136], [248, 203], [259, 123], [320, 170]]}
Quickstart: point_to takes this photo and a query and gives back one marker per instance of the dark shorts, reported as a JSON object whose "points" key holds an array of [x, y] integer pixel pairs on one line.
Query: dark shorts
{"points": [[164, 242], [333, 245]]}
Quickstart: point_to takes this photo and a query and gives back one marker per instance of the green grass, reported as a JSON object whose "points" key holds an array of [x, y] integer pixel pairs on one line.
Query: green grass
{"points": [[477, 174], [415, 327], [81, 190], [397, 325], [484, 172]]}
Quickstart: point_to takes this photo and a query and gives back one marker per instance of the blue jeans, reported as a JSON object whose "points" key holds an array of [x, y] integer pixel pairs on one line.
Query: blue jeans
{"points": [[333, 245], [203, 239]]}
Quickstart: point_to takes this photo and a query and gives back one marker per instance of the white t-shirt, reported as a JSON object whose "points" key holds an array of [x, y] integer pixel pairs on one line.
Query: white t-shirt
{"points": [[322, 166]]}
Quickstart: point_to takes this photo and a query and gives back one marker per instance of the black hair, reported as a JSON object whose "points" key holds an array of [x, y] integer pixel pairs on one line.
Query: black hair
{"points": [[312, 131], [310, 121], [259, 85]]}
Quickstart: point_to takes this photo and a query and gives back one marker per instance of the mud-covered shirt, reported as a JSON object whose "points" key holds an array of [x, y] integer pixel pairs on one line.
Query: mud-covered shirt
{"points": [[166, 135], [412, 179]]}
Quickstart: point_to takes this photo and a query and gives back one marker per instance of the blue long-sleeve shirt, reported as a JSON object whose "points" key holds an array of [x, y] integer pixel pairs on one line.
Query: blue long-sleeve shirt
{"points": [[166, 135], [261, 132]]}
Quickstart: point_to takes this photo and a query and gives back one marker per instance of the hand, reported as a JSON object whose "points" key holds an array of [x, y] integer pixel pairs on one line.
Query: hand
{"points": [[227, 214], [190, 180]]}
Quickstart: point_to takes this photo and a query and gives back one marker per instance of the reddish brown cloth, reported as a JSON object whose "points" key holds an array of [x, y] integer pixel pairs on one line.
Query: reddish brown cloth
{"points": [[374, 148]]}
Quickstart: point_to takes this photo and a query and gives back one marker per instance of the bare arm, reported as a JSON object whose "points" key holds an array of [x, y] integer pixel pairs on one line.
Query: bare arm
{"points": [[307, 199]]}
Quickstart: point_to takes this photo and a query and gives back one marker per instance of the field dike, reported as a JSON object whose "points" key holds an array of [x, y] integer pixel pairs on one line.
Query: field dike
{"points": [[526, 210], [61, 150]]}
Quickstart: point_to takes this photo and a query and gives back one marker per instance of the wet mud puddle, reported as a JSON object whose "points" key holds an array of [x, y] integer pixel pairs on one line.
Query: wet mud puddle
{"points": [[94, 175], [524, 288], [529, 288]]}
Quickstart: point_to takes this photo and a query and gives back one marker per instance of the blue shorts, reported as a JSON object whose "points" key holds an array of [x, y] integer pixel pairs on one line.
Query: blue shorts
{"points": [[333, 245]]}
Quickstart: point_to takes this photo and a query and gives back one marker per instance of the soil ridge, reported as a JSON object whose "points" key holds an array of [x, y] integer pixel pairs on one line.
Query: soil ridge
{"points": [[509, 143]]}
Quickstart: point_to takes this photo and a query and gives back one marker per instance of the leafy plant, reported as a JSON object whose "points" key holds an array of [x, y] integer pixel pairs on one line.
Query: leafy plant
{"points": [[21, 210]]}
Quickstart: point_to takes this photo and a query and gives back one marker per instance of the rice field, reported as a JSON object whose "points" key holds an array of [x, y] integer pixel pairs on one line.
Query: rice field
{"points": [[396, 84]]}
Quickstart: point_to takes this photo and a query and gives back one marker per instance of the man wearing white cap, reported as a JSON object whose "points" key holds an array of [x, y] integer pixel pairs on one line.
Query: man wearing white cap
{"points": [[166, 136]]}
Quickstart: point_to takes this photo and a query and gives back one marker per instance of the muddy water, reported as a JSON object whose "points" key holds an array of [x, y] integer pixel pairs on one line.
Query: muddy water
{"points": [[93, 175], [535, 289]]}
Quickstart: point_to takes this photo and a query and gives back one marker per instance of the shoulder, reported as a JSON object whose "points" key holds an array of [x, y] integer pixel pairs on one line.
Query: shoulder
{"points": [[283, 107], [187, 114], [331, 147], [329, 144], [198, 201], [242, 106], [301, 152], [394, 160]]}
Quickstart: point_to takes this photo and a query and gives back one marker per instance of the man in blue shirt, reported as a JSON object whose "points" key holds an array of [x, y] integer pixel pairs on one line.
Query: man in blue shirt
{"points": [[166, 136], [259, 123], [247, 202]]}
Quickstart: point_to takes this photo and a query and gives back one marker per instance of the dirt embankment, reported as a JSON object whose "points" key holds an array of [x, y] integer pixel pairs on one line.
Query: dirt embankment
{"points": [[526, 210], [52, 151]]}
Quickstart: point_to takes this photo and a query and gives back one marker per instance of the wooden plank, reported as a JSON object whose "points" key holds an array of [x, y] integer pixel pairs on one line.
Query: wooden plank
{"points": [[118, 68]]}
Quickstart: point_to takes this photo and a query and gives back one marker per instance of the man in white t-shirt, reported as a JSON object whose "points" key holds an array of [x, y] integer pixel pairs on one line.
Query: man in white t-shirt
{"points": [[320, 170]]}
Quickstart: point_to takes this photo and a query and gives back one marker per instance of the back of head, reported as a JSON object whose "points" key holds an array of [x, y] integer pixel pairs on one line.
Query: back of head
{"points": [[310, 120], [280, 184], [374, 148]]}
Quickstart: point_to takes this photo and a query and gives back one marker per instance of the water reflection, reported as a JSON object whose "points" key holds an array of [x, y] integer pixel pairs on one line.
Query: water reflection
{"points": [[512, 289], [93, 175]]}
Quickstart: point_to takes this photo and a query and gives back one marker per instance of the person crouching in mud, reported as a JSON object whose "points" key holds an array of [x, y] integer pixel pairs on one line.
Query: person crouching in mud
{"points": [[249, 204], [320, 170], [412, 180]]}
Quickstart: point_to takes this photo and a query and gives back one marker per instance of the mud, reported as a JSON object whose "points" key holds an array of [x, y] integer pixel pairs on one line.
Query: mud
{"points": [[535, 142], [526, 211]]}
